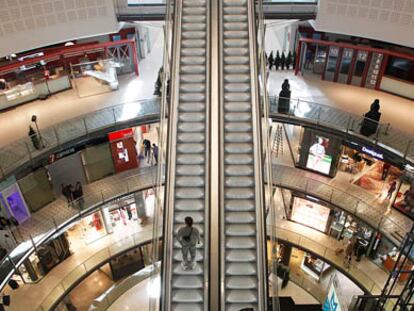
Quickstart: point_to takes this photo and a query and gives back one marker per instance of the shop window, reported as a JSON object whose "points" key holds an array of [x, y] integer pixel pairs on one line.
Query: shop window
{"points": [[400, 68]]}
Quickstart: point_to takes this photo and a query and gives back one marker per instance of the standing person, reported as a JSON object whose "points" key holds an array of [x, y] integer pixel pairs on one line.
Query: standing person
{"points": [[391, 190], [348, 254], [34, 138], [78, 194], [67, 192], [155, 153], [129, 212], [188, 236], [385, 169], [147, 149]]}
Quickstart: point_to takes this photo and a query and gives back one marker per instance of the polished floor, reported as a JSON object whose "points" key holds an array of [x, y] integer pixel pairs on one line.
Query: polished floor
{"points": [[14, 122]]}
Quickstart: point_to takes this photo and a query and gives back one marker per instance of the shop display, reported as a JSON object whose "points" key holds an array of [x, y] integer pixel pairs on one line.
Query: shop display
{"points": [[310, 214], [95, 77], [92, 227], [314, 266], [127, 264], [405, 199]]}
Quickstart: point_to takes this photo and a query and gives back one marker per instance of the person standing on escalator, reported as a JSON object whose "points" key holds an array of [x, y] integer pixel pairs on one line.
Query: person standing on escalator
{"points": [[188, 236]]}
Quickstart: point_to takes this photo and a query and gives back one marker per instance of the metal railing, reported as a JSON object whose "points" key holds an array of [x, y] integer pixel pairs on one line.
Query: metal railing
{"points": [[383, 134], [25, 150], [121, 185], [375, 217], [72, 278], [330, 254]]}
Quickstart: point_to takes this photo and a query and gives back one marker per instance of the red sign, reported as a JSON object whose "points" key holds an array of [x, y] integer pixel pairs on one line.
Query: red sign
{"points": [[122, 134]]}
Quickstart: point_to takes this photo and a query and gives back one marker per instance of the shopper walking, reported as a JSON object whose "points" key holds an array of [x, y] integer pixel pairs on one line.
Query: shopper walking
{"points": [[188, 236], [391, 190], [34, 137], [147, 149], [155, 153]]}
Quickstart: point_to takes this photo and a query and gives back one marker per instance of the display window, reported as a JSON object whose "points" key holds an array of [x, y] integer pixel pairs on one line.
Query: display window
{"points": [[369, 172], [404, 201], [92, 227], [314, 266], [310, 214]]}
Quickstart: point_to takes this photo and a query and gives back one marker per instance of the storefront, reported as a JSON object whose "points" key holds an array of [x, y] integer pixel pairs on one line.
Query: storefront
{"points": [[318, 215], [404, 201], [92, 227], [90, 67], [359, 65], [371, 170], [309, 213]]}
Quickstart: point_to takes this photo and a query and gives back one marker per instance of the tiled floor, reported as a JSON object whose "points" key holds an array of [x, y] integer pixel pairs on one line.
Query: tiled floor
{"points": [[90, 288]]}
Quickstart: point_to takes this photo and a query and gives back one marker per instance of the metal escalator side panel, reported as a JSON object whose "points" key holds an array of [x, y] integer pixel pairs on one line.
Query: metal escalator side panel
{"points": [[187, 190], [242, 235]]}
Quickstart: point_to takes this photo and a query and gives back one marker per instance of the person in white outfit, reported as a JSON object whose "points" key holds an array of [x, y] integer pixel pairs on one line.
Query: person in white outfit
{"points": [[188, 236]]}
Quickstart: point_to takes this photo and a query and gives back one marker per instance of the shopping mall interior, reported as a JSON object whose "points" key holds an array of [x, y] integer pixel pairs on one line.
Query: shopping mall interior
{"points": [[206, 155]]}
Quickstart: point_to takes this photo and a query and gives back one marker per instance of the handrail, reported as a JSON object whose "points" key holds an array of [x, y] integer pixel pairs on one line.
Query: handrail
{"points": [[385, 136], [91, 264], [23, 150], [331, 256], [279, 234], [267, 154], [344, 200], [116, 291], [162, 144], [122, 185]]}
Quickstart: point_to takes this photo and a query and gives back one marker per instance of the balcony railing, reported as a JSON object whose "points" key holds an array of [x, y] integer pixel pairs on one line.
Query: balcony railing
{"points": [[25, 150], [385, 136]]}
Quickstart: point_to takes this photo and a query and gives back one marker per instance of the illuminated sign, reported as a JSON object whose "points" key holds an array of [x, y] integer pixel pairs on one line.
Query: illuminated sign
{"points": [[373, 153]]}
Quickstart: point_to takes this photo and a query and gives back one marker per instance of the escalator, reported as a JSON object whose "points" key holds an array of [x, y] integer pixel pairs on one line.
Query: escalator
{"points": [[187, 187], [242, 257]]}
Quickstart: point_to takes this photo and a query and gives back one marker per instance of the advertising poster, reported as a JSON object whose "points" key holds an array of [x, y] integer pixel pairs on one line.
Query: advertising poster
{"points": [[319, 158], [310, 214], [13, 200], [334, 299], [331, 302]]}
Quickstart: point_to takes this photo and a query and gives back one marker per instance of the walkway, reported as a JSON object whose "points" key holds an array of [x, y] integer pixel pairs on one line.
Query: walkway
{"points": [[58, 212], [66, 105], [335, 105], [47, 290], [348, 197]]}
